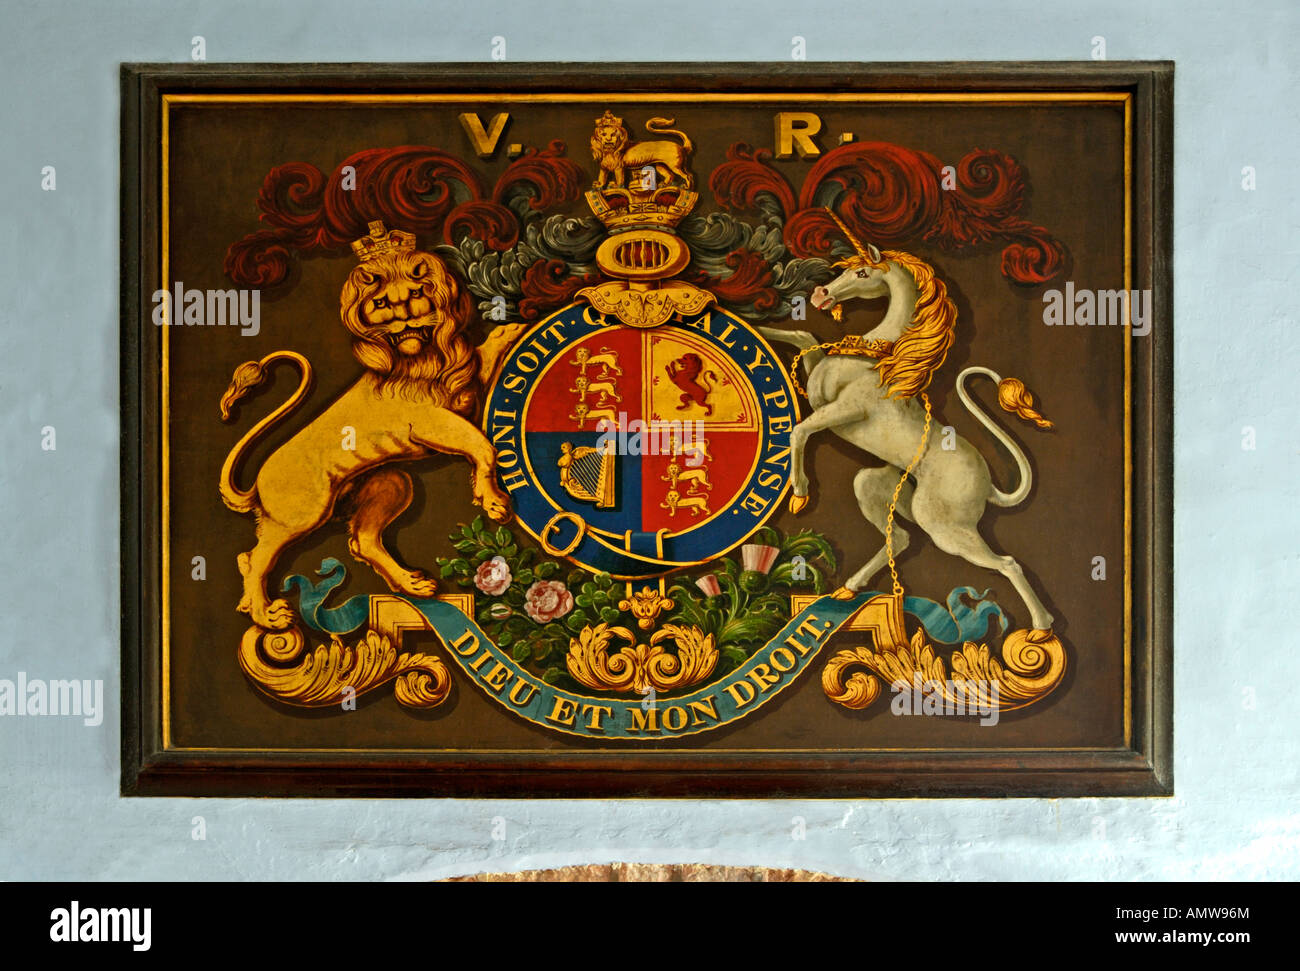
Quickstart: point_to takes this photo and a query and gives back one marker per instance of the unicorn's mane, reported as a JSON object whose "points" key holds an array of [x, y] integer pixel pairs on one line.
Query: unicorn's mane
{"points": [[920, 350]]}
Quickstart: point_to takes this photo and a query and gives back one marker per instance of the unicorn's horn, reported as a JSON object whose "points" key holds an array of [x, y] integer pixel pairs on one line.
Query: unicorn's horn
{"points": [[862, 250], [869, 253]]}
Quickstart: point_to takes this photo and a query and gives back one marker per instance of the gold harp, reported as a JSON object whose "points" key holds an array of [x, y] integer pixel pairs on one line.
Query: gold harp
{"points": [[587, 474]]}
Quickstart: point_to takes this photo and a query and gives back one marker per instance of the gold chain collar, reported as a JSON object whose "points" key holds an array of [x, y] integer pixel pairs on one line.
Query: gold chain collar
{"points": [[853, 345]]}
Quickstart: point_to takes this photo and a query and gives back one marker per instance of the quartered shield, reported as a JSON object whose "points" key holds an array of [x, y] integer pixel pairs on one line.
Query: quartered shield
{"points": [[636, 451]]}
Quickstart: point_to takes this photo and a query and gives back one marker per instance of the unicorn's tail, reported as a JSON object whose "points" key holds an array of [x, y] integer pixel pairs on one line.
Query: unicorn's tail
{"points": [[1013, 396]]}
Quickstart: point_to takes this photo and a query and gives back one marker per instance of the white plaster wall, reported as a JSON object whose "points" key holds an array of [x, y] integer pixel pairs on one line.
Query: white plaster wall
{"points": [[1238, 559]]}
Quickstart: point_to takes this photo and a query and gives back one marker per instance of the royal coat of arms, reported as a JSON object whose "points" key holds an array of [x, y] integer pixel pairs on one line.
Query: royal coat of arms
{"points": [[691, 420]]}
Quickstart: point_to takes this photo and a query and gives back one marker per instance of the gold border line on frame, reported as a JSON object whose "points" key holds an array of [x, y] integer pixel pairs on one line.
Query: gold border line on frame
{"points": [[966, 97]]}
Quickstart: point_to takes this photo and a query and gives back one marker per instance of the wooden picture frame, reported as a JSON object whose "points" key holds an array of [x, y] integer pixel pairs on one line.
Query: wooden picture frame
{"points": [[174, 712]]}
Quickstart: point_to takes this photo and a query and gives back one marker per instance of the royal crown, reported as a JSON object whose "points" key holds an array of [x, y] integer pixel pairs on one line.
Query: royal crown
{"points": [[379, 242], [642, 191], [660, 208]]}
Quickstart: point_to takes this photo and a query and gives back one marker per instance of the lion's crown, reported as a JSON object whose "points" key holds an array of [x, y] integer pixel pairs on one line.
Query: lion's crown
{"points": [[380, 242]]}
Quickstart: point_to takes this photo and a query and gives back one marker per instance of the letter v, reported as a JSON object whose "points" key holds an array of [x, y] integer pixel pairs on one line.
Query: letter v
{"points": [[484, 142]]}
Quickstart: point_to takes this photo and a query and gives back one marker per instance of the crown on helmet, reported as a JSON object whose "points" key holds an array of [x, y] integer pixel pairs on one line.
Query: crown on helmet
{"points": [[380, 242]]}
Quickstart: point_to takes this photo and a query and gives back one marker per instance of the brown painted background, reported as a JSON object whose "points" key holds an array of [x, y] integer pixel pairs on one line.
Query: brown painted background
{"points": [[1074, 158]]}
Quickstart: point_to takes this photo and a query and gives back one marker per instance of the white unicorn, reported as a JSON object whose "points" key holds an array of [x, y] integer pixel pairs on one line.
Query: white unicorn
{"points": [[873, 404]]}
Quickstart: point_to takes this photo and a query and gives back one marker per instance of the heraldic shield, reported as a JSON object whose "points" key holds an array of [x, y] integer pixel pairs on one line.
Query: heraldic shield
{"points": [[636, 451]]}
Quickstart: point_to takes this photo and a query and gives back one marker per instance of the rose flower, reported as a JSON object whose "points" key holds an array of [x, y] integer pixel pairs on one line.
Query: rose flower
{"points": [[547, 600], [493, 576]]}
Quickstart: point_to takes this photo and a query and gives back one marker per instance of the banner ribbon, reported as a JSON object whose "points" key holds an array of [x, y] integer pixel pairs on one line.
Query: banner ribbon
{"points": [[765, 674]]}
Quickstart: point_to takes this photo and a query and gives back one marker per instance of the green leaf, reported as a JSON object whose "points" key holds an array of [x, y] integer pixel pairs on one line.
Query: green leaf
{"points": [[467, 531], [521, 651], [680, 591], [610, 615], [582, 600], [514, 596], [465, 581], [576, 621], [476, 526], [466, 545], [552, 675], [547, 569], [782, 575], [504, 638], [527, 556], [751, 627], [770, 603], [688, 608], [503, 536], [509, 550], [524, 576], [735, 599], [447, 571], [460, 565], [576, 578], [735, 655], [604, 580], [809, 545]]}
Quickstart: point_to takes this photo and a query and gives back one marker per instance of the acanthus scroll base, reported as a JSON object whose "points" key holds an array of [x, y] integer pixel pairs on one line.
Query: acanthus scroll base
{"points": [[284, 666], [1032, 664]]}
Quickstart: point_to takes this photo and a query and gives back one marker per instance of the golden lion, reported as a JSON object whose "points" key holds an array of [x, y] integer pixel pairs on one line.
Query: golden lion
{"points": [[609, 147], [421, 388]]}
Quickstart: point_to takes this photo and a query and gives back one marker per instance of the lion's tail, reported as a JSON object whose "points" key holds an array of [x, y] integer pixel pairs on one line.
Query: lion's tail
{"points": [[246, 377], [660, 126], [1015, 397]]}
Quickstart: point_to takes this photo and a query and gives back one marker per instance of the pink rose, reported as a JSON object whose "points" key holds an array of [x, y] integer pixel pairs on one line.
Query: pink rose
{"points": [[493, 576], [547, 600]]}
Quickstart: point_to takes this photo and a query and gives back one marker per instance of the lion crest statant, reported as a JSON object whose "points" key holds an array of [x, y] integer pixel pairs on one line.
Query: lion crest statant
{"points": [[612, 147]]}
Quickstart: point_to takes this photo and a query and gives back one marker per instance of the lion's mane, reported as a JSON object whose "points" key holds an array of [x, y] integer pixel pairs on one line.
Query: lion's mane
{"points": [[609, 158], [446, 371]]}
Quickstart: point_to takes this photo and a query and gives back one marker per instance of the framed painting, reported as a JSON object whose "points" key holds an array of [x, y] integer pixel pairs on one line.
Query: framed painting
{"points": [[647, 430]]}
